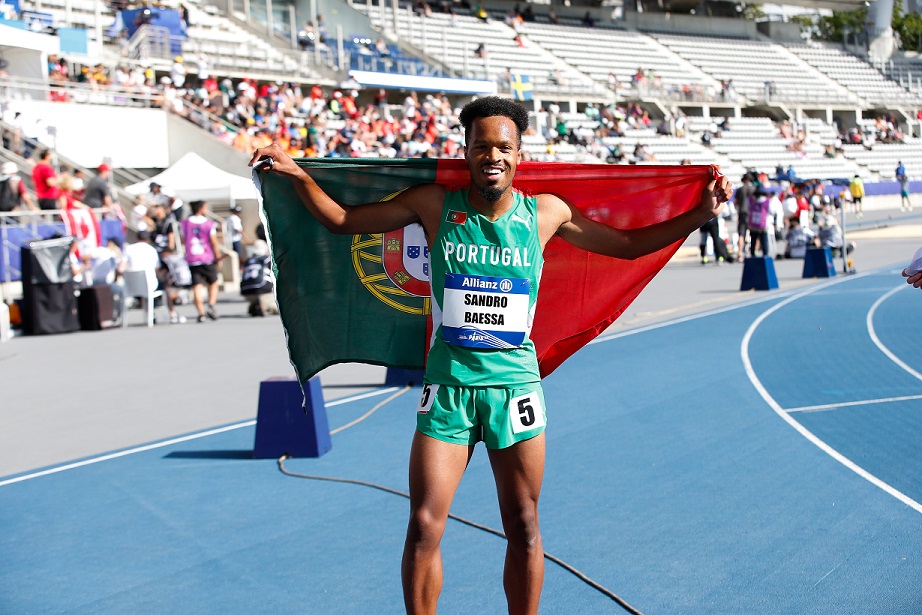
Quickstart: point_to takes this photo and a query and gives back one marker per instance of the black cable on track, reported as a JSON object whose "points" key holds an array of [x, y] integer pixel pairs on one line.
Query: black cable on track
{"points": [[575, 572]]}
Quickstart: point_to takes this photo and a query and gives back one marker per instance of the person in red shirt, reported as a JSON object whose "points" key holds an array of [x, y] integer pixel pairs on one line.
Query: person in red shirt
{"points": [[46, 182]]}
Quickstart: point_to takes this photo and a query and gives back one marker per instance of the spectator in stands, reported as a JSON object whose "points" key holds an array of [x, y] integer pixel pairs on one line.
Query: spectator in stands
{"points": [[306, 36], [321, 30], [642, 154], [79, 184], [481, 51], [202, 253], [588, 20], [14, 141], [178, 72], [45, 181], [13, 194], [381, 48], [79, 266], [203, 66], [67, 199], [98, 195], [552, 16], [481, 13]]}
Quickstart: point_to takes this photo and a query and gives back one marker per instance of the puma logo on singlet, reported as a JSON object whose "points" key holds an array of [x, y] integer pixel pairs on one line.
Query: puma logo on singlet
{"points": [[525, 221]]}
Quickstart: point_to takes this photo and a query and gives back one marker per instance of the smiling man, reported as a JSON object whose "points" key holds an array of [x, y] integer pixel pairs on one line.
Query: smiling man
{"points": [[482, 381]]}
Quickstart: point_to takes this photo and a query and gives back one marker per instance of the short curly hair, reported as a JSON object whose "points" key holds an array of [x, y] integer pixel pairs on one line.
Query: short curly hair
{"points": [[491, 106]]}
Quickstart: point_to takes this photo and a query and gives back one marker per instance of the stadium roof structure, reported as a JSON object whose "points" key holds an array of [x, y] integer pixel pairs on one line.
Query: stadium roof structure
{"points": [[831, 5]]}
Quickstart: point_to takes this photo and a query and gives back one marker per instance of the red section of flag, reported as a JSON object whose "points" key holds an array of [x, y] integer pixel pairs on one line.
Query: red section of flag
{"points": [[84, 226], [582, 293]]}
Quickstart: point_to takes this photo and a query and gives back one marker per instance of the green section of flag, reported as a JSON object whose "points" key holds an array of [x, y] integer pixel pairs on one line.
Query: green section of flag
{"points": [[336, 300]]}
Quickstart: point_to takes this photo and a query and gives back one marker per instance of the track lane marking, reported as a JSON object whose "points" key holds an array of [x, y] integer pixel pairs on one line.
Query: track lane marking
{"points": [[806, 433], [870, 324], [171, 441]]}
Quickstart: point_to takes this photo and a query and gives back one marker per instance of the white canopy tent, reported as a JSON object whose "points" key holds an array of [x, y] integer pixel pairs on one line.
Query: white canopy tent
{"points": [[192, 178]]}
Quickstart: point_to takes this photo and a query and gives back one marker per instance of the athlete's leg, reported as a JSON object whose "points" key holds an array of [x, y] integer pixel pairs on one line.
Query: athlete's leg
{"points": [[436, 468], [519, 472]]}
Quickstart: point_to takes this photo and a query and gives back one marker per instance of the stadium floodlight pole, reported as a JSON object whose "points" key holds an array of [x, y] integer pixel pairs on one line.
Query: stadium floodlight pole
{"points": [[422, 23], [464, 56], [269, 27], [339, 47], [445, 48], [97, 22], [844, 243], [410, 24]]}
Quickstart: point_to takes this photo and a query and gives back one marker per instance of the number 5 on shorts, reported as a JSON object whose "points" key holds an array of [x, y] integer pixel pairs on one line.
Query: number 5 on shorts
{"points": [[526, 413], [428, 396]]}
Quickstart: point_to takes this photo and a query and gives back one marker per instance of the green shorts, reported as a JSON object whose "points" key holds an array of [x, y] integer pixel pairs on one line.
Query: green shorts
{"points": [[499, 416]]}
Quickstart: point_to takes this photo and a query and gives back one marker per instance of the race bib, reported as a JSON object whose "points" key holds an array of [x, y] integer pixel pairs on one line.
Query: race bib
{"points": [[485, 312], [526, 412], [426, 399]]}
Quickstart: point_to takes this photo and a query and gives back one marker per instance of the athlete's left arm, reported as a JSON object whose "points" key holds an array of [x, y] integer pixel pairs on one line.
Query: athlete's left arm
{"points": [[561, 218]]}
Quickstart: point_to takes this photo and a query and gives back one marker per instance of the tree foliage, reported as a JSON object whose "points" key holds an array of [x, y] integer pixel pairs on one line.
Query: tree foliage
{"points": [[907, 26]]}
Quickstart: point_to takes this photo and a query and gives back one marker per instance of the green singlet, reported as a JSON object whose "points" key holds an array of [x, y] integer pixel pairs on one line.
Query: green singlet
{"points": [[482, 379], [484, 278]]}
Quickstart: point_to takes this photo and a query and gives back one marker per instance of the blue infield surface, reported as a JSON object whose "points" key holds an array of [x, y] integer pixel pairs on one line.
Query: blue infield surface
{"points": [[763, 458]]}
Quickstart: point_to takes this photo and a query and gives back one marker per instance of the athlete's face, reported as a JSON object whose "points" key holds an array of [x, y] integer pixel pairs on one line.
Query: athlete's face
{"points": [[492, 153]]}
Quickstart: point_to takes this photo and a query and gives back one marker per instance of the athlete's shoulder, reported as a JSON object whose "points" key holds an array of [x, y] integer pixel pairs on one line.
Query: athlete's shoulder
{"points": [[552, 207]]}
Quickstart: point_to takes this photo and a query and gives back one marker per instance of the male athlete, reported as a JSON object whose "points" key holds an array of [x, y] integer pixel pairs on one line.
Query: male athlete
{"points": [[486, 247]]}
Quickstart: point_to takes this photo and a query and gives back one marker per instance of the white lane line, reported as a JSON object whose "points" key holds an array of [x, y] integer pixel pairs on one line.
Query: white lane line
{"points": [[680, 320], [806, 433], [876, 340], [846, 404], [172, 441]]}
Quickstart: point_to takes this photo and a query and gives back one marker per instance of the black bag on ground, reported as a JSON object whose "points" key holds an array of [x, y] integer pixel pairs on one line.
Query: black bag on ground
{"points": [[48, 301], [96, 307]]}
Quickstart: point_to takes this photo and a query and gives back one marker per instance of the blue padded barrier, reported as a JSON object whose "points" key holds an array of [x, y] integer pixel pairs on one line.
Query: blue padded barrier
{"points": [[759, 274], [284, 427]]}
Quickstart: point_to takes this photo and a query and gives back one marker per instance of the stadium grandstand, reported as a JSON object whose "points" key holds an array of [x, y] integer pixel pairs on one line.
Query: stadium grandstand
{"points": [[137, 86]]}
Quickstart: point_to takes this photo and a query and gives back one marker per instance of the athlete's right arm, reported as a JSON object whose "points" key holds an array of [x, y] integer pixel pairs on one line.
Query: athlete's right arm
{"points": [[405, 208]]}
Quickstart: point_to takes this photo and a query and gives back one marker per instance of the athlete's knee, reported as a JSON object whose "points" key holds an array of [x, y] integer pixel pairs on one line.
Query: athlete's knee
{"points": [[424, 530], [522, 528]]}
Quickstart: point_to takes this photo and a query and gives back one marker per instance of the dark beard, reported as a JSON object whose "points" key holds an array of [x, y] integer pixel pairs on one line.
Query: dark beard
{"points": [[490, 194]]}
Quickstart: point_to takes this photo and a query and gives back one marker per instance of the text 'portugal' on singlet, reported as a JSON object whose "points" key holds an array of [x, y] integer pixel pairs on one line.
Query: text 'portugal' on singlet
{"points": [[484, 278]]}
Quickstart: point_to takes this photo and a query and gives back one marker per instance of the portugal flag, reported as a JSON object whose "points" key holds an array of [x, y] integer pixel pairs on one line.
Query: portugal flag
{"points": [[365, 298]]}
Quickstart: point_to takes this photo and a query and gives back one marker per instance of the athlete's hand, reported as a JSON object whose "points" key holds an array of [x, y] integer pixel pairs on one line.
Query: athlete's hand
{"points": [[714, 195], [915, 279], [282, 163]]}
